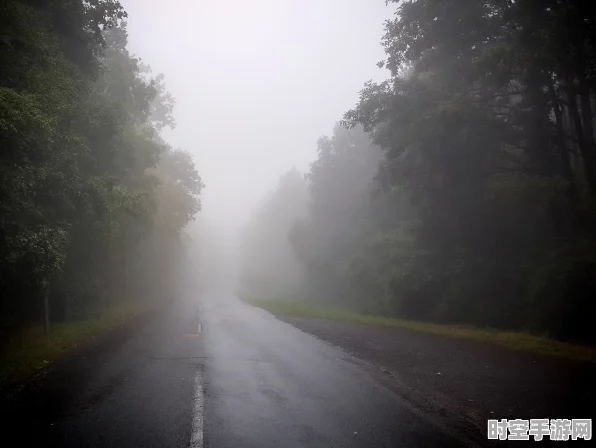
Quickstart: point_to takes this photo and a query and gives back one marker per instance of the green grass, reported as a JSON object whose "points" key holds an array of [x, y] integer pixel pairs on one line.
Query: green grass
{"points": [[509, 339], [34, 350]]}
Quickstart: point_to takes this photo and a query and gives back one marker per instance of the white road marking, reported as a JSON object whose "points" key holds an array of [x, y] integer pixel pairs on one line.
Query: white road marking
{"points": [[196, 435]]}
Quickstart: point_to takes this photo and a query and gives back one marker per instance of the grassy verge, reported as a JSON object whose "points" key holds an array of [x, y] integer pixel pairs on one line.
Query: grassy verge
{"points": [[34, 350], [512, 340]]}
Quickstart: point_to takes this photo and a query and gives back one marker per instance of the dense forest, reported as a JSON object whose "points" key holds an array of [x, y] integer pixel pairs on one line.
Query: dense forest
{"points": [[92, 200], [463, 188]]}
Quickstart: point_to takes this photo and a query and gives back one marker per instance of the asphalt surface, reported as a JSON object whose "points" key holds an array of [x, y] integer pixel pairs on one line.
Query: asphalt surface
{"points": [[267, 384], [131, 388], [215, 374], [463, 383]]}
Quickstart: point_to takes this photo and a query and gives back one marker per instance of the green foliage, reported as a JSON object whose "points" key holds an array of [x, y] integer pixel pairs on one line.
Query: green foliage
{"points": [[87, 182], [339, 182], [483, 204], [32, 350]]}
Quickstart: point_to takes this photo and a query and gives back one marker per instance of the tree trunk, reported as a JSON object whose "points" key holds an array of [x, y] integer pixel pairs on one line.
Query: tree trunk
{"points": [[587, 116], [561, 140], [585, 142], [46, 308], [565, 215]]}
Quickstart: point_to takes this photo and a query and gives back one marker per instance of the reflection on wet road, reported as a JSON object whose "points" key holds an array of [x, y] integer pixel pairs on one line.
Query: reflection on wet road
{"points": [[215, 373], [267, 384]]}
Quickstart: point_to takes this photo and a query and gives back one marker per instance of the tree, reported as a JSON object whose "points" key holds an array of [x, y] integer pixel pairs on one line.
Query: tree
{"points": [[340, 182], [268, 265], [84, 171], [480, 122], [479, 206]]}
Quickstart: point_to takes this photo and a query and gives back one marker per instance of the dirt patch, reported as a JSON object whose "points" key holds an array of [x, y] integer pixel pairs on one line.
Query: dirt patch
{"points": [[464, 382]]}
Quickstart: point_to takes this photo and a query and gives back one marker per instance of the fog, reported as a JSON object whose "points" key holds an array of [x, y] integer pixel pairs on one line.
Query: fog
{"points": [[205, 204], [256, 84]]}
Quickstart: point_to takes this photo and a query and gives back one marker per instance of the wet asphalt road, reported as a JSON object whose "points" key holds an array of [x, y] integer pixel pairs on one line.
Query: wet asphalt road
{"points": [[247, 380], [268, 384], [132, 388]]}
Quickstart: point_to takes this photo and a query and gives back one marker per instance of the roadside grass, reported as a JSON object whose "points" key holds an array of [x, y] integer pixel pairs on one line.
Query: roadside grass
{"points": [[33, 350], [509, 339]]}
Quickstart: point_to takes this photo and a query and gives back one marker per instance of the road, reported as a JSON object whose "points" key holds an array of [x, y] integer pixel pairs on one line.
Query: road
{"points": [[462, 382], [217, 374]]}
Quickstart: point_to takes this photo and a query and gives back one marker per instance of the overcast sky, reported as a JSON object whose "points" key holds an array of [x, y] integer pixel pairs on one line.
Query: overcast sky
{"points": [[256, 83]]}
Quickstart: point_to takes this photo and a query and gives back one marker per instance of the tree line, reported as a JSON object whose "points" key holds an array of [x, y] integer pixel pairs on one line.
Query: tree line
{"points": [[268, 266], [92, 200], [463, 188]]}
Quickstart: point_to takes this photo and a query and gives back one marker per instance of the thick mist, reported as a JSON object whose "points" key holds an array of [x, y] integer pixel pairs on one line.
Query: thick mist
{"points": [[287, 223], [256, 84]]}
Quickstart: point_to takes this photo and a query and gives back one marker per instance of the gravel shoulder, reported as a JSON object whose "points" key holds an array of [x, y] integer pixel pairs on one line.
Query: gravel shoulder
{"points": [[461, 382]]}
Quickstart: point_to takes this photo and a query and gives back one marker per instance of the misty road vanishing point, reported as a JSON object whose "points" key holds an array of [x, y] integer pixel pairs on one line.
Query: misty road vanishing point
{"points": [[246, 380]]}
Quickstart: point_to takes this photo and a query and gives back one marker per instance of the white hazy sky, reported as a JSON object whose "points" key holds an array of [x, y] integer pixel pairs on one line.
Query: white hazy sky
{"points": [[256, 83]]}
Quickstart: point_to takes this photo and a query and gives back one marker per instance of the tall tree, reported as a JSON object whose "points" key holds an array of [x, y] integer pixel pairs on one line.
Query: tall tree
{"points": [[268, 264], [486, 122], [83, 167], [340, 181]]}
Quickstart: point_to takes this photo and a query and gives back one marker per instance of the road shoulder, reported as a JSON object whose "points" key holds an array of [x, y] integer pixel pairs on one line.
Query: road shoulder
{"points": [[132, 386], [462, 382]]}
